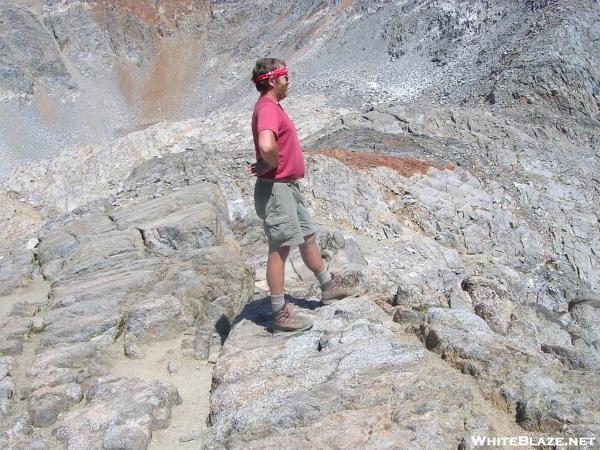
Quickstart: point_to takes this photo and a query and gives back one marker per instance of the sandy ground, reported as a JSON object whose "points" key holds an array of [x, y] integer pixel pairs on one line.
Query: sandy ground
{"points": [[193, 380]]}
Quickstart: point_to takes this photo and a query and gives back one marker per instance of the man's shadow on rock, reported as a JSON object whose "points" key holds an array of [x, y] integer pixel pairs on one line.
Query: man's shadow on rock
{"points": [[258, 311]]}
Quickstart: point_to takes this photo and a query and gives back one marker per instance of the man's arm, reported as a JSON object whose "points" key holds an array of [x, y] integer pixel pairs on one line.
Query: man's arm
{"points": [[267, 145], [269, 152]]}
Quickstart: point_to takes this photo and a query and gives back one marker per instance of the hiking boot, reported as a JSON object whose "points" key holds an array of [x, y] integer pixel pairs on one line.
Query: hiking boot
{"points": [[288, 320], [338, 290]]}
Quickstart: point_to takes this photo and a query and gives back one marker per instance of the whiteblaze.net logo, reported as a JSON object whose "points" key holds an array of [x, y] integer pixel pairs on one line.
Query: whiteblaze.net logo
{"points": [[521, 441]]}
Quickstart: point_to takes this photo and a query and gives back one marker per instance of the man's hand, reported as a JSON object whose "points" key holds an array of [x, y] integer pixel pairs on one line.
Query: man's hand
{"points": [[259, 168]]}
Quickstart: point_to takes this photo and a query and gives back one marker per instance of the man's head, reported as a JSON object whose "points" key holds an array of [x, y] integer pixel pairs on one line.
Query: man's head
{"points": [[276, 80]]}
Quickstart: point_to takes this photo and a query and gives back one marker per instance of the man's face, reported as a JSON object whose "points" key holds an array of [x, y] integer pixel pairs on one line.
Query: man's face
{"points": [[281, 86]]}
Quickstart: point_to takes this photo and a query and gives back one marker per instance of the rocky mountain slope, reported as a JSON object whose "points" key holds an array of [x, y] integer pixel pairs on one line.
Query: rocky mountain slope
{"points": [[77, 72], [452, 151]]}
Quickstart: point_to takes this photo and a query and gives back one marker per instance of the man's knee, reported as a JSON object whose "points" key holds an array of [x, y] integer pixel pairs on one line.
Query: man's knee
{"points": [[310, 239], [282, 251]]}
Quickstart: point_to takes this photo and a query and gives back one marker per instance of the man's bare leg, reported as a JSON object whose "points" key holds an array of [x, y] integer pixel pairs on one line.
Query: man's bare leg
{"points": [[311, 254], [276, 277], [276, 269]]}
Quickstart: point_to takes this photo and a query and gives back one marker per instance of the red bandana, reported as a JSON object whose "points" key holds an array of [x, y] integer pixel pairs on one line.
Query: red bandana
{"points": [[273, 73]]}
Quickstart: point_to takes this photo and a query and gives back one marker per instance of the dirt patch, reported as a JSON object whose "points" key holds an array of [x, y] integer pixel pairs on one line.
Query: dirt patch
{"points": [[404, 165], [168, 79], [126, 83], [44, 105], [152, 12]]}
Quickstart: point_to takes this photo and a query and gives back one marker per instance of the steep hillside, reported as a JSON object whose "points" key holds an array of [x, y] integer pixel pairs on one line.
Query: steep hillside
{"points": [[78, 72]]}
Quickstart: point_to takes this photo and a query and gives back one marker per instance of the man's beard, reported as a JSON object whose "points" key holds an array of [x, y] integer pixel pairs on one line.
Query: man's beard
{"points": [[282, 93]]}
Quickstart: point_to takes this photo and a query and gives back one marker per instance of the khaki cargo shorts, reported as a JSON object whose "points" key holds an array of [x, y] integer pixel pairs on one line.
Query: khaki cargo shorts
{"points": [[285, 217]]}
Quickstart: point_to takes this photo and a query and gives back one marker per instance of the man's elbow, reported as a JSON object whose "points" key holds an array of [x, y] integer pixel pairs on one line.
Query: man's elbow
{"points": [[270, 155], [268, 150]]}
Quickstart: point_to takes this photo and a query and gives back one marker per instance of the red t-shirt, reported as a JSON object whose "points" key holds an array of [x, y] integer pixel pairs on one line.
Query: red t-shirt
{"points": [[269, 115]]}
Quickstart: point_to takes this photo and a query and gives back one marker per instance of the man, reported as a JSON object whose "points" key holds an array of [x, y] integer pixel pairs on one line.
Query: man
{"points": [[278, 202]]}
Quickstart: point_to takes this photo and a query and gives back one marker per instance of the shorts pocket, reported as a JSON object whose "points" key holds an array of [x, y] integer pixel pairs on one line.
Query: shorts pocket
{"points": [[278, 229]]}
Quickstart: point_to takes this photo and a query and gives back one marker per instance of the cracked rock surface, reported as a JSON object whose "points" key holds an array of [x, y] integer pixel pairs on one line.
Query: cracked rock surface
{"points": [[353, 381], [119, 277]]}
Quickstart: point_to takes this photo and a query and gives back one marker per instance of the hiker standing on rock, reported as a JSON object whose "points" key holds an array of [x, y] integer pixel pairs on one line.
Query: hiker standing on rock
{"points": [[277, 198]]}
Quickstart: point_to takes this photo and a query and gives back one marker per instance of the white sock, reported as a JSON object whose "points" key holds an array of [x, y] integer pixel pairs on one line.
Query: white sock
{"points": [[277, 302], [324, 278]]}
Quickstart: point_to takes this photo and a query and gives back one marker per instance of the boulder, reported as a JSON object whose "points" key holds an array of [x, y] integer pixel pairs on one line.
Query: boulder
{"points": [[120, 413]]}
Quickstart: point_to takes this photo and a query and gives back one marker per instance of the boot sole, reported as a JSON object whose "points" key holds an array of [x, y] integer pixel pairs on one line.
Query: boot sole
{"points": [[292, 331], [330, 302]]}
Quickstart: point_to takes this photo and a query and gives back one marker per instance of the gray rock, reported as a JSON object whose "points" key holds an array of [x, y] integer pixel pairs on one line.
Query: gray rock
{"points": [[195, 227], [357, 376], [64, 364], [46, 404], [407, 316], [573, 358], [517, 219], [25, 309], [542, 396], [172, 367], [449, 65], [416, 296], [19, 429], [107, 283], [120, 289], [459, 299], [341, 252], [587, 316], [16, 328], [190, 437], [16, 266], [215, 348], [7, 364], [491, 301], [202, 345], [116, 405], [157, 318], [10, 347], [127, 437], [53, 377], [6, 407], [37, 55], [103, 326], [187, 344]]}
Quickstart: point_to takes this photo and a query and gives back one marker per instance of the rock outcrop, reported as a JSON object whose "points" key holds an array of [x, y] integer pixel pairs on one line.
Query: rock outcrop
{"points": [[354, 380], [132, 275]]}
